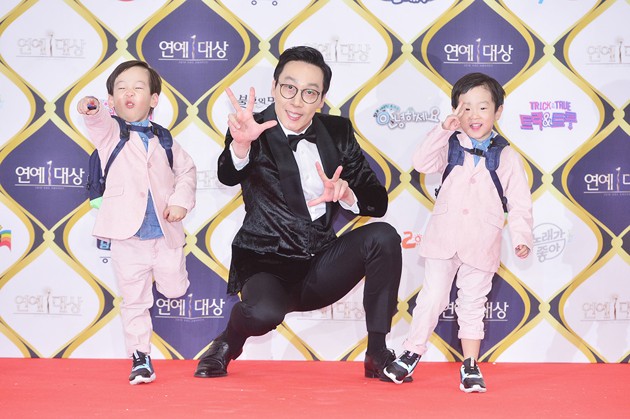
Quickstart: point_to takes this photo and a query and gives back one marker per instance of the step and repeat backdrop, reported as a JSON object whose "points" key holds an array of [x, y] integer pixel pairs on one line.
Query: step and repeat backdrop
{"points": [[565, 65]]}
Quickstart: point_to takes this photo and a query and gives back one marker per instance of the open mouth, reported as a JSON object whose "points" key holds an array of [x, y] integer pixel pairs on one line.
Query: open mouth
{"points": [[293, 116]]}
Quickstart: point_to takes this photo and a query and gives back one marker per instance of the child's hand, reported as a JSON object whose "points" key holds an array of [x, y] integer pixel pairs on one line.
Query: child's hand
{"points": [[521, 251], [174, 213], [452, 122], [88, 105]]}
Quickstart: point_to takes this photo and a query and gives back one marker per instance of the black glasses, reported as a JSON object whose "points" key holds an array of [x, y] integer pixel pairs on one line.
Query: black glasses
{"points": [[288, 91]]}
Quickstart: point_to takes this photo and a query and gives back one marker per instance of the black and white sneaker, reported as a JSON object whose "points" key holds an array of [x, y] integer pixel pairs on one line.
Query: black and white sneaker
{"points": [[142, 369], [471, 378], [402, 367]]}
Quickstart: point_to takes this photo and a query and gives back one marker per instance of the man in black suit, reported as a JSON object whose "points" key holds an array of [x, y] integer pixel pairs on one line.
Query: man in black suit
{"points": [[286, 256]]}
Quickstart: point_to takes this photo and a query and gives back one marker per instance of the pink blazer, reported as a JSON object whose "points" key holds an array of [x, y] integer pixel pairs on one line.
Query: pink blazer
{"points": [[133, 173], [467, 217]]}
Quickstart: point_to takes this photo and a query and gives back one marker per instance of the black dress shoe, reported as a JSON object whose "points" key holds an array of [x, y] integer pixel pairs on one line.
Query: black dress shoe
{"points": [[214, 362], [374, 364]]}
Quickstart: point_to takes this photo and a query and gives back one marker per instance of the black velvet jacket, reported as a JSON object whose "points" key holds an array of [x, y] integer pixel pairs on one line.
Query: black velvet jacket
{"points": [[277, 224]]}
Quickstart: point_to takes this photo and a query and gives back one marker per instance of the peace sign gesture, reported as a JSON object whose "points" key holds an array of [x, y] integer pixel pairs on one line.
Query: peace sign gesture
{"points": [[243, 128], [335, 189], [452, 122]]}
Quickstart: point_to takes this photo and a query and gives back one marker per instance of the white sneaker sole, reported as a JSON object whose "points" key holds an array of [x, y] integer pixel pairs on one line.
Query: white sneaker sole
{"points": [[473, 389], [393, 377], [142, 380]]}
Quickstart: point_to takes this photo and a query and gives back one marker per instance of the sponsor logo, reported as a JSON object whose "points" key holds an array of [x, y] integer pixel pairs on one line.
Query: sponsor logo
{"points": [[549, 241], [341, 52], [614, 309], [193, 50], [49, 304], [408, 1], [208, 179], [478, 52], [549, 114], [612, 53], [392, 117], [5, 238], [49, 176], [106, 246], [496, 311], [616, 182], [260, 102], [189, 307], [50, 46], [273, 2], [339, 311], [410, 240]]}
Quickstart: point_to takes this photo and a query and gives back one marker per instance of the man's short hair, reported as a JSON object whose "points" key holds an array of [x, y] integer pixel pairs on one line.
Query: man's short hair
{"points": [[308, 55]]}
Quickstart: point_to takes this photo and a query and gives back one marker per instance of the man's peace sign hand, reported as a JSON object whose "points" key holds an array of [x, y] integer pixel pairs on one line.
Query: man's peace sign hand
{"points": [[335, 189]]}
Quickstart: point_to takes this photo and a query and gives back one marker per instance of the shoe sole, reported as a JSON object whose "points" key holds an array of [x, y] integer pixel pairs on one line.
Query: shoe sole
{"points": [[387, 379], [211, 375], [473, 389], [393, 378], [142, 380]]}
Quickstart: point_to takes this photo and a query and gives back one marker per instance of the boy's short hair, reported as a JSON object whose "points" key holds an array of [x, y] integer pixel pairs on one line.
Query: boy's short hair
{"points": [[472, 80], [155, 81], [308, 55]]}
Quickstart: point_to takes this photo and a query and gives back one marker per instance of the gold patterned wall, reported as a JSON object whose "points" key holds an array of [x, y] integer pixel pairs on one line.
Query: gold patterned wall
{"points": [[565, 65]]}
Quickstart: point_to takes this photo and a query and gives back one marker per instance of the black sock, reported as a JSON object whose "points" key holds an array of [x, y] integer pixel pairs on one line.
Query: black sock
{"points": [[376, 342]]}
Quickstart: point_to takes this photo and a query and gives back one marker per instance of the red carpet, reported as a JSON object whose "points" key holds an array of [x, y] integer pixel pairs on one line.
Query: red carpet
{"points": [[78, 388]]}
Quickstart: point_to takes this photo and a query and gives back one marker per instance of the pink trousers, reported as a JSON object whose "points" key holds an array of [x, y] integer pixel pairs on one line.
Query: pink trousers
{"points": [[473, 287], [136, 264]]}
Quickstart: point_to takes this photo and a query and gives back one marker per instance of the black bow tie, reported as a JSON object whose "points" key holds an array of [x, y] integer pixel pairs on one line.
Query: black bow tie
{"points": [[308, 135], [139, 128]]}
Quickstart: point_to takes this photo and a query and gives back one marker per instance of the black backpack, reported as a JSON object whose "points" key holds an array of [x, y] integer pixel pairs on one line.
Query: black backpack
{"points": [[97, 177], [492, 158]]}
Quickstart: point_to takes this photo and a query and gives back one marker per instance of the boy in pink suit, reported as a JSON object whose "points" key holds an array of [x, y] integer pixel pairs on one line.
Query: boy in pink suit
{"points": [[143, 205], [463, 236]]}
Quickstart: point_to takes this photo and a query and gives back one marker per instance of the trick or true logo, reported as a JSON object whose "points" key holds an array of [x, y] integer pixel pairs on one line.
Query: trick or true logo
{"points": [[5, 238], [48, 303], [390, 115], [51, 46], [193, 50], [549, 241], [549, 114], [189, 307], [613, 309]]}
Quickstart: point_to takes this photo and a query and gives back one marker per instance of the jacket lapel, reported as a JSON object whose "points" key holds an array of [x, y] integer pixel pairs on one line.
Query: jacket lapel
{"points": [[134, 138], [328, 153]]}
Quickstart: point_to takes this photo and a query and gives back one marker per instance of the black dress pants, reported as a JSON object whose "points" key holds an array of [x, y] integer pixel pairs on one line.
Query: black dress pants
{"points": [[372, 251]]}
